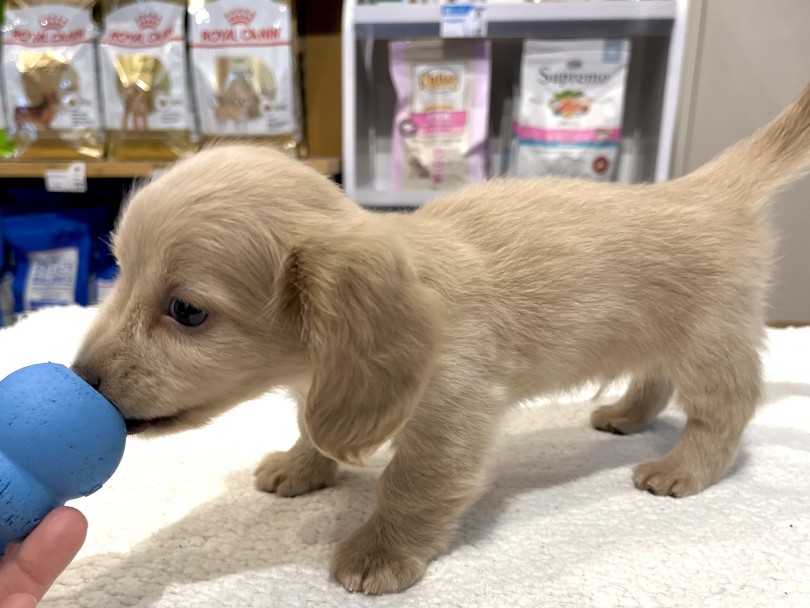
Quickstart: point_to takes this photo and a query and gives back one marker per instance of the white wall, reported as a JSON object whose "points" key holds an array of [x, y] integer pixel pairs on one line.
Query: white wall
{"points": [[751, 58]]}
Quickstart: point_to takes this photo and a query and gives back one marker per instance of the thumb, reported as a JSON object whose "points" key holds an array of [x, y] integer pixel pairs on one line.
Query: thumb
{"points": [[19, 600]]}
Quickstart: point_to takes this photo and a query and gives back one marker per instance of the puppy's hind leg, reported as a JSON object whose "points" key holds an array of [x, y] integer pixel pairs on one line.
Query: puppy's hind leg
{"points": [[646, 397], [297, 471], [719, 388]]}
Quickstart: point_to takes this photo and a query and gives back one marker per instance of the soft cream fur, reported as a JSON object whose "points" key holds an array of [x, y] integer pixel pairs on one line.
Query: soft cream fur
{"points": [[423, 328]]}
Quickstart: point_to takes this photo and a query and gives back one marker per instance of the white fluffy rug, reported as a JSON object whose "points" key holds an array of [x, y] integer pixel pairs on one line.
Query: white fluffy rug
{"points": [[180, 525]]}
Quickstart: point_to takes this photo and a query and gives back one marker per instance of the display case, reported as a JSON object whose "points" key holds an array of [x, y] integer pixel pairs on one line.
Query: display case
{"points": [[656, 29]]}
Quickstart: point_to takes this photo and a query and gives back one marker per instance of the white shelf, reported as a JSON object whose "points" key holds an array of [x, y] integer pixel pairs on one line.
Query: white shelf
{"points": [[377, 197], [388, 13], [657, 28], [616, 17]]}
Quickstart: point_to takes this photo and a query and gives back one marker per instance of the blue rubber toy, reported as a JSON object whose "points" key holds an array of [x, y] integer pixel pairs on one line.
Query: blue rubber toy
{"points": [[59, 439]]}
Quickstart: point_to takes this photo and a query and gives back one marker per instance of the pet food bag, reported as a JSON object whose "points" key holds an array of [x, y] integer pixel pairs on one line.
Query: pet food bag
{"points": [[103, 283], [51, 260], [442, 113], [103, 272], [144, 79], [569, 112], [244, 70], [6, 144], [5, 311], [7, 298], [49, 68]]}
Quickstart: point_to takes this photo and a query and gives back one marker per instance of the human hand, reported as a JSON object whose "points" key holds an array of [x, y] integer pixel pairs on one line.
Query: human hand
{"points": [[29, 569]]}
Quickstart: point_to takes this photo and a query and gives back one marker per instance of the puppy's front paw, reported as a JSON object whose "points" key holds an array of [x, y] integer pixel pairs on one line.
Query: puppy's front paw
{"points": [[295, 472], [616, 419], [367, 563], [668, 477]]}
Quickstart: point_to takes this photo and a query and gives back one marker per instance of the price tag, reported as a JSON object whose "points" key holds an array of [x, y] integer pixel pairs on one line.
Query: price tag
{"points": [[463, 21], [71, 179]]}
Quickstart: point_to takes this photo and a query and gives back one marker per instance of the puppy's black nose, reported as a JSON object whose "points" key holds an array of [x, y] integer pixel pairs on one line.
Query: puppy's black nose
{"points": [[91, 377]]}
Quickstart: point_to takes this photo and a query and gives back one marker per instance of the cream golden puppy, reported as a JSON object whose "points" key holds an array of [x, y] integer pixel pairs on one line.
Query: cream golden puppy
{"points": [[243, 270]]}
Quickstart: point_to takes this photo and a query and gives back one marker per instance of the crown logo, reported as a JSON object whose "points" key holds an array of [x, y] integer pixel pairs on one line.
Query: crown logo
{"points": [[148, 21], [52, 22], [240, 16]]}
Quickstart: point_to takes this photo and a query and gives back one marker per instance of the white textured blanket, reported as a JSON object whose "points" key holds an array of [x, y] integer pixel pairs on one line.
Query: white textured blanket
{"points": [[180, 525]]}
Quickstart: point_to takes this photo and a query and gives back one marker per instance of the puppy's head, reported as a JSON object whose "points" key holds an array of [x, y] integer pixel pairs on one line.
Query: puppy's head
{"points": [[193, 324], [241, 270]]}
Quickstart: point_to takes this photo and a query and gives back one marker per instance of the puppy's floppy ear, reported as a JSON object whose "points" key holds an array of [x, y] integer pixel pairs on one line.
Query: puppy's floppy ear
{"points": [[370, 328]]}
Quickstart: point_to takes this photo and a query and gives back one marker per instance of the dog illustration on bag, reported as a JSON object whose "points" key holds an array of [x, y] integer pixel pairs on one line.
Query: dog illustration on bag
{"points": [[38, 116], [236, 104], [136, 107]]}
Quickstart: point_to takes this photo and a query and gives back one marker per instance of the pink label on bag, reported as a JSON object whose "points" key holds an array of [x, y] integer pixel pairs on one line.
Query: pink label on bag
{"points": [[440, 123], [567, 136]]}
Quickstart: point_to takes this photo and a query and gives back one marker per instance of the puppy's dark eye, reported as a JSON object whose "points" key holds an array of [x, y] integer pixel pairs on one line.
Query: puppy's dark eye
{"points": [[186, 314]]}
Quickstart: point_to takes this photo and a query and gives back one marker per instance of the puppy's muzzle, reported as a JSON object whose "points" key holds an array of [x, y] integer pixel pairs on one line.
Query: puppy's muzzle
{"points": [[88, 375], [134, 426]]}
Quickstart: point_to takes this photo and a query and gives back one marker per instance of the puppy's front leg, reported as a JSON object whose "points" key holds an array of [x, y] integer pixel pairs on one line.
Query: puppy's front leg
{"points": [[299, 470], [434, 475]]}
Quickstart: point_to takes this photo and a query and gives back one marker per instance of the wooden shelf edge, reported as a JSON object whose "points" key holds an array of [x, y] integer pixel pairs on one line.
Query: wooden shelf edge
{"points": [[36, 169], [328, 165]]}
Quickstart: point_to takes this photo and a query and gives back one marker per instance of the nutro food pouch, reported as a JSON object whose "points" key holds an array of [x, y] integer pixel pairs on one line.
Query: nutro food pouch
{"points": [[144, 78], [244, 70], [49, 69], [569, 110], [442, 113]]}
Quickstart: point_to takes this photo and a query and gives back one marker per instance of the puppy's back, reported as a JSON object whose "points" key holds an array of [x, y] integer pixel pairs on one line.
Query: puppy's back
{"points": [[605, 276]]}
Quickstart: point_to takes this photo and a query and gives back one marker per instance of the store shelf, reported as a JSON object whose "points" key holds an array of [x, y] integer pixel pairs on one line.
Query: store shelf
{"points": [[379, 197], [326, 165], [657, 29], [117, 169], [616, 18]]}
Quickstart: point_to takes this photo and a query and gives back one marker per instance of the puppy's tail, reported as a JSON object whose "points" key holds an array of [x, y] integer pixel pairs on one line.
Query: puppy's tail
{"points": [[772, 158]]}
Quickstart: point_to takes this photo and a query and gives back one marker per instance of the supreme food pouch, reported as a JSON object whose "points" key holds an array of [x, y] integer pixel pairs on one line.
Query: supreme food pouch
{"points": [[144, 79], [442, 113], [244, 71], [50, 77], [569, 115]]}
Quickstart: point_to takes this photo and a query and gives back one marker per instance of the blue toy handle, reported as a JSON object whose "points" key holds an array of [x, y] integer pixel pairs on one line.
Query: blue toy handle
{"points": [[59, 439], [25, 503]]}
